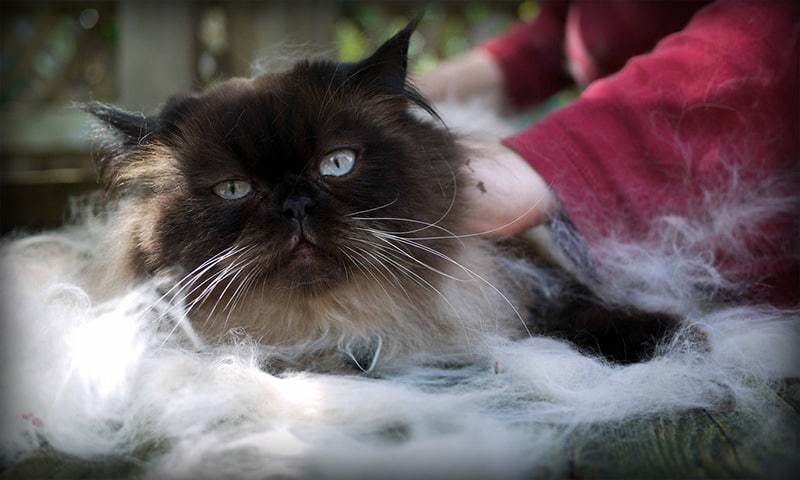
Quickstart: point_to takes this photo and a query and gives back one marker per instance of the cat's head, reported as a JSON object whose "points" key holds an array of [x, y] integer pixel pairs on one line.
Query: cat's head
{"points": [[308, 180]]}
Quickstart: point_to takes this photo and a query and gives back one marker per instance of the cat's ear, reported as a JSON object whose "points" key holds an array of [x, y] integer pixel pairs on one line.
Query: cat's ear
{"points": [[386, 69], [137, 128], [388, 66], [177, 108], [130, 128], [135, 132]]}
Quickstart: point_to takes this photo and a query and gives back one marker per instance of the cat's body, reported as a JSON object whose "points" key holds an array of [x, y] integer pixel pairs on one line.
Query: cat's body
{"points": [[313, 210]]}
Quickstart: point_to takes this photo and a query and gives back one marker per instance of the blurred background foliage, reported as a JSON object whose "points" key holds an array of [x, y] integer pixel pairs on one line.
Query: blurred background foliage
{"points": [[135, 53], [54, 53]]}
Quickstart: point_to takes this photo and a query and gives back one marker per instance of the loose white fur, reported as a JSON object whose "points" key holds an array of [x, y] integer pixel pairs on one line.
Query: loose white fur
{"points": [[108, 377]]}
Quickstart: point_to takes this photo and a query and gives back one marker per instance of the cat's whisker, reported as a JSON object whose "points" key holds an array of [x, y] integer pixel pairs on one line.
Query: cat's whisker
{"points": [[185, 309], [387, 240], [371, 272], [214, 258], [219, 278], [388, 248], [452, 200], [486, 232], [373, 209], [328, 97], [423, 284], [393, 259], [361, 265], [243, 264], [243, 286], [411, 274], [179, 303], [364, 266], [211, 280], [382, 264], [358, 264], [394, 275], [409, 220], [468, 271], [227, 253], [215, 279], [191, 280], [406, 270], [427, 225], [225, 290], [347, 273]]}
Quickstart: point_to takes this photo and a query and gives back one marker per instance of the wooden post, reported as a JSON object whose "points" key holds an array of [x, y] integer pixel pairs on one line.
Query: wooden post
{"points": [[271, 36], [156, 52]]}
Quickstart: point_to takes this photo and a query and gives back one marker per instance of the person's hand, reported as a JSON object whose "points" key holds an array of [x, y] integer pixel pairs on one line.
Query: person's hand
{"points": [[473, 73], [505, 195]]}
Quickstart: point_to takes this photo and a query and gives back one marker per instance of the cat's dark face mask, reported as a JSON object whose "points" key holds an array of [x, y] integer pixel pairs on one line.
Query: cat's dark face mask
{"points": [[307, 180]]}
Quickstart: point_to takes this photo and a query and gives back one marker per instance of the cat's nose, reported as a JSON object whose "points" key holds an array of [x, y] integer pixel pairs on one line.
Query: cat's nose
{"points": [[297, 207]]}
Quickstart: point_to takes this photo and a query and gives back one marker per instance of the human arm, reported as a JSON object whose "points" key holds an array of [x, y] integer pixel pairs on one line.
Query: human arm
{"points": [[718, 98], [533, 60], [505, 195], [523, 66]]}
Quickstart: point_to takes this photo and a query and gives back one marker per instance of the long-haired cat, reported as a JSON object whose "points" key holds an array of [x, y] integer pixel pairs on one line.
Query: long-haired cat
{"points": [[316, 211]]}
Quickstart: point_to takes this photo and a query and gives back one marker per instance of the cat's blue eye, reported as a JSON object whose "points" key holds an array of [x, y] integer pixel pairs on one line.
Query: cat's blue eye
{"points": [[337, 163], [232, 189]]}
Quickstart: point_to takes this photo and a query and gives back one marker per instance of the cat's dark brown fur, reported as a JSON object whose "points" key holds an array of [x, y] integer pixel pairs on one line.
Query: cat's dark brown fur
{"points": [[322, 262]]}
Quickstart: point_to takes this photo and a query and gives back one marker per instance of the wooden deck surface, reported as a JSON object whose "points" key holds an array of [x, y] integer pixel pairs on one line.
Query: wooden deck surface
{"points": [[724, 443]]}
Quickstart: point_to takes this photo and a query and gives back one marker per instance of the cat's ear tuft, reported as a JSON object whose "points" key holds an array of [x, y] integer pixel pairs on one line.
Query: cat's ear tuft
{"points": [[131, 128], [389, 64]]}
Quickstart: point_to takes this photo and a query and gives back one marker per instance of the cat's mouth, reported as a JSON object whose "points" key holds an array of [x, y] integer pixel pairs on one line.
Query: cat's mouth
{"points": [[303, 260], [307, 266], [304, 250]]}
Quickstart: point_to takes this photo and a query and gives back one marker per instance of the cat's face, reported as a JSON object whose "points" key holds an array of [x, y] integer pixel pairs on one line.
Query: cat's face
{"points": [[306, 180]]}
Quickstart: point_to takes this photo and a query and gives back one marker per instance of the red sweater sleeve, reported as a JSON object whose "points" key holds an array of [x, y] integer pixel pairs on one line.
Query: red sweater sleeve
{"points": [[721, 95], [531, 56]]}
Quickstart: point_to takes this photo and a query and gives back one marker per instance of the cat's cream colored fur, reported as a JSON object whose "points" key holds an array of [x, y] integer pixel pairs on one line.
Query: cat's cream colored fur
{"points": [[452, 320]]}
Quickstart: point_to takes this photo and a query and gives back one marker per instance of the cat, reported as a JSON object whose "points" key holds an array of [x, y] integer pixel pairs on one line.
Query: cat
{"points": [[320, 213]]}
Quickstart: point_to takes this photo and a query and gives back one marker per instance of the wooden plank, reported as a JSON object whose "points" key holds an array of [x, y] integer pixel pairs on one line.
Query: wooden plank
{"points": [[50, 465], [789, 391], [273, 35], [156, 52], [32, 207], [683, 445], [40, 132], [767, 440]]}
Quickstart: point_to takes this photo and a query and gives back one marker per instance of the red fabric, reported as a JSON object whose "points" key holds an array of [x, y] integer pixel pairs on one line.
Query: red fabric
{"points": [[532, 55], [722, 93]]}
